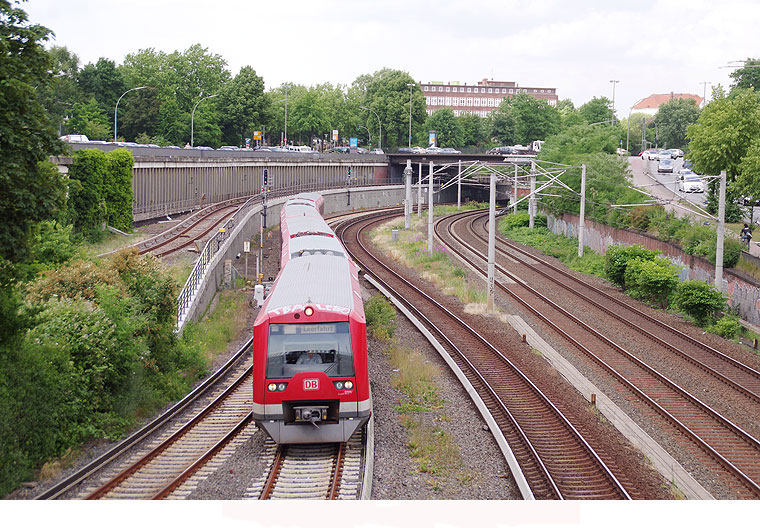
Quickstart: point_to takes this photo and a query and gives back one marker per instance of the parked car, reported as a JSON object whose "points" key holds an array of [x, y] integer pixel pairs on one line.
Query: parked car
{"points": [[405, 150], [665, 165], [503, 151], [75, 138], [433, 150], [449, 150], [418, 150], [339, 150], [621, 152], [676, 153], [651, 154], [664, 154], [229, 147], [378, 151], [690, 182], [360, 150]]}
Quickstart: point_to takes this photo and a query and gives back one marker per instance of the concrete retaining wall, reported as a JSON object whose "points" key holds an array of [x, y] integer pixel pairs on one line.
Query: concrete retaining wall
{"points": [[742, 290]]}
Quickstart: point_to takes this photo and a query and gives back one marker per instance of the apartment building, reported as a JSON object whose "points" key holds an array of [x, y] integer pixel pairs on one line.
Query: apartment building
{"points": [[479, 99]]}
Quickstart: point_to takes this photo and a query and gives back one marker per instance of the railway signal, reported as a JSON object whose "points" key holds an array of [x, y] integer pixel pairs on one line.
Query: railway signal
{"points": [[266, 176]]}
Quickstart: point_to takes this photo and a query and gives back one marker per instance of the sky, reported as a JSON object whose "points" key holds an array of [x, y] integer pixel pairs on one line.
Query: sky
{"points": [[576, 47]]}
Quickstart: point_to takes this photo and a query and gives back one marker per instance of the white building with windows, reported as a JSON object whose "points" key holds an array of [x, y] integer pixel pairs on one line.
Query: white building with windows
{"points": [[480, 99]]}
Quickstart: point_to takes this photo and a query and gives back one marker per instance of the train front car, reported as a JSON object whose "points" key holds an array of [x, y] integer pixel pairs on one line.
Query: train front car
{"points": [[310, 354]]}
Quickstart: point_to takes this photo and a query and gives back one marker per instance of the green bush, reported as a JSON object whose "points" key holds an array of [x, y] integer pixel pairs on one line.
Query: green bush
{"points": [[727, 326], [617, 258], [512, 221], [86, 201], [380, 314], [652, 281], [117, 189], [699, 300]]}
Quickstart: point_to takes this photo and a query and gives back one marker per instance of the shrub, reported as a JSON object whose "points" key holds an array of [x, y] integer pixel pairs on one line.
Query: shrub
{"points": [[617, 258], [727, 326], [117, 189], [512, 221], [699, 300], [651, 280], [86, 201], [380, 314]]}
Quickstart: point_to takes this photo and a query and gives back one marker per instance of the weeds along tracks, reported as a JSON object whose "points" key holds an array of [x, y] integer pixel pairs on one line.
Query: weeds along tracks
{"points": [[555, 459], [729, 451], [136, 445]]}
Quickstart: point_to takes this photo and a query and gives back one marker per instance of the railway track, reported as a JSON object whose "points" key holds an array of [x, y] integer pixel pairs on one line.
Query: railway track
{"points": [[730, 452], [554, 457], [115, 460]]}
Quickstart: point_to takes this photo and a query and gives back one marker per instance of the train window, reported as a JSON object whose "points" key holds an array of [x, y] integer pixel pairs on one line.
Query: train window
{"points": [[309, 347]]}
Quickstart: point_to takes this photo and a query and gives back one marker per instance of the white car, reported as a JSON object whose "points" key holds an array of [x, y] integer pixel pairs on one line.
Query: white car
{"points": [[664, 154], [690, 182]]}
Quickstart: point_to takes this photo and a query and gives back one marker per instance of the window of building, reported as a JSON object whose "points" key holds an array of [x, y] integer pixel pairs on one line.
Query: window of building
{"points": [[448, 88], [427, 100], [469, 90], [448, 101], [469, 101], [510, 90], [490, 90]]}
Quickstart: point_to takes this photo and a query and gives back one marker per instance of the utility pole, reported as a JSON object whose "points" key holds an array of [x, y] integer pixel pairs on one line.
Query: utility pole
{"points": [[419, 194], [430, 211], [408, 198], [721, 232], [532, 199], [614, 82], [491, 240], [459, 187], [581, 223], [704, 92], [514, 193]]}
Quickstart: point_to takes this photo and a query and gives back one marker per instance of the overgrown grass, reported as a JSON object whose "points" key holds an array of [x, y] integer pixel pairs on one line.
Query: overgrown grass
{"points": [[443, 210], [439, 267], [563, 248], [749, 267], [421, 406], [225, 322]]}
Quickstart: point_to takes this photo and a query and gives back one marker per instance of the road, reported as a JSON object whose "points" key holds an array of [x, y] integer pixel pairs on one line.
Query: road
{"points": [[664, 187]]}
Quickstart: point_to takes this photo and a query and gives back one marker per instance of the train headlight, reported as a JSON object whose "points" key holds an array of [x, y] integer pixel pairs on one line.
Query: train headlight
{"points": [[272, 387], [277, 387], [341, 385], [349, 385], [281, 386], [309, 311]]}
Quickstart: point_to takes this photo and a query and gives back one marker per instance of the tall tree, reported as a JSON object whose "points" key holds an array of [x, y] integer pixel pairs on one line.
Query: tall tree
{"points": [[31, 189], [474, 130], [60, 94], [242, 105], [447, 127], [597, 110], [720, 138], [522, 119], [673, 118], [747, 76], [387, 94], [103, 81]]}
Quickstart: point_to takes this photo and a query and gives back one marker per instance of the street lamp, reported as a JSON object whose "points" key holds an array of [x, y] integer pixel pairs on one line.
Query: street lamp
{"points": [[192, 117], [628, 134], [614, 82], [379, 141], [410, 85], [117, 108]]}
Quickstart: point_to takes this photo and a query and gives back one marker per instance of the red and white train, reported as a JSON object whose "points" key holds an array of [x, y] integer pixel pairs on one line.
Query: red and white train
{"points": [[310, 379]]}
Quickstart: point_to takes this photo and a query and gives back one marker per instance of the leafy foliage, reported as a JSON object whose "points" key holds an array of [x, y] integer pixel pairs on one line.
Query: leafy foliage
{"points": [[651, 280], [447, 126], [523, 119], [381, 316], [618, 257], [31, 189], [117, 189], [87, 205], [699, 300], [673, 118], [727, 326]]}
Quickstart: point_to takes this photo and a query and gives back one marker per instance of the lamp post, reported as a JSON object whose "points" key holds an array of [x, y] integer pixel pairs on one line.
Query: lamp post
{"points": [[192, 118], [379, 141], [115, 111], [628, 134], [410, 85], [614, 82], [704, 92]]}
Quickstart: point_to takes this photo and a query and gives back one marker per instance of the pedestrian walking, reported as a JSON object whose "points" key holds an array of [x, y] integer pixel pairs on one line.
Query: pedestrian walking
{"points": [[746, 235]]}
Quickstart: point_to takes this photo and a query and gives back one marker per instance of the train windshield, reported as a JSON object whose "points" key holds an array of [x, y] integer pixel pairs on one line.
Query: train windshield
{"points": [[313, 347]]}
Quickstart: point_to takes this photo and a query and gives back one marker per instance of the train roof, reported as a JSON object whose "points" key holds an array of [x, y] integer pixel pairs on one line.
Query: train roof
{"points": [[320, 279], [315, 244], [306, 224]]}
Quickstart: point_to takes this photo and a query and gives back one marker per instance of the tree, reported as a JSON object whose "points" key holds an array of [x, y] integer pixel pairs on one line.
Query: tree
{"points": [[597, 110], [241, 104], [447, 127], [31, 189], [722, 135], [104, 82], [522, 119], [58, 95], [87, 118], [474, 130], [748, 76], [140, 113], [673, 119], [387, 93]]}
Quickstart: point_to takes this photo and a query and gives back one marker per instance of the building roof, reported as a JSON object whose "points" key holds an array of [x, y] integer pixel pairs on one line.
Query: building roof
{"points": [[655, 100]]}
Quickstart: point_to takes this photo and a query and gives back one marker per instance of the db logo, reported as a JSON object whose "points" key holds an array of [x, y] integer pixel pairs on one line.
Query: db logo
{"points": [[311, 384]]}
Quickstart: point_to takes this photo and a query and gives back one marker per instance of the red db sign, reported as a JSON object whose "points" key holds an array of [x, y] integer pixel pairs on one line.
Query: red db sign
{"points": [[311, 384]]}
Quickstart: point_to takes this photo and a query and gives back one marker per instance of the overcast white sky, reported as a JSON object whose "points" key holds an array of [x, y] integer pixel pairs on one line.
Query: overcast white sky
{"points": [[576, 47]]}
